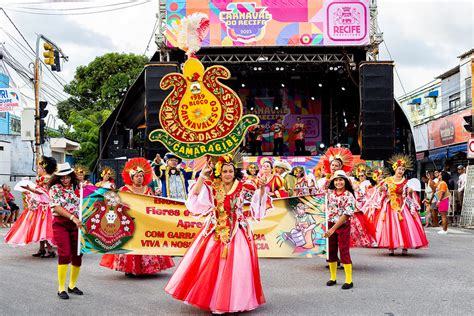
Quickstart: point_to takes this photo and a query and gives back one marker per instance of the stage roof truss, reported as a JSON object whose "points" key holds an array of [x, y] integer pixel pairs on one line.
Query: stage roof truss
{"points": [[276, 58]]}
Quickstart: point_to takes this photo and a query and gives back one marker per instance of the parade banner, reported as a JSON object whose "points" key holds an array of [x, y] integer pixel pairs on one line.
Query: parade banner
{"points": [[122, 222], [201, 116], [9, 100], [276, 22]]}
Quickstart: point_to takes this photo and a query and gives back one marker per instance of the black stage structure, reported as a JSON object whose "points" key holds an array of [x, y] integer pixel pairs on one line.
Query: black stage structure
{"points": [[347, 86]]}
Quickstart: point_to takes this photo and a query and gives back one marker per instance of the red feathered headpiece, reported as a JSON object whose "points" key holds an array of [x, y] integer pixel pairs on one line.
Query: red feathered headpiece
{"points": [[134, 166], [343, 154]]}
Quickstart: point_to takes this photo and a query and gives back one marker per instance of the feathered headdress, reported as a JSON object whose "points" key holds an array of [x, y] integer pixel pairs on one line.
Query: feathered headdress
{"points": [[134, 166], [362, 167], [401, 160], [342, 154], [80, 169], [190, 31], [234, 159], [376, 172], [107, 170]]}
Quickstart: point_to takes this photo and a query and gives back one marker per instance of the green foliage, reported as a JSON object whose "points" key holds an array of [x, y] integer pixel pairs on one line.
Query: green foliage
{"points": [[95, 91]]}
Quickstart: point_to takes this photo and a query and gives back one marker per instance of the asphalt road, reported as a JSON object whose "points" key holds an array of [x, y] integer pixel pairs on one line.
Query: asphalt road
{"points": [[434, 281]]}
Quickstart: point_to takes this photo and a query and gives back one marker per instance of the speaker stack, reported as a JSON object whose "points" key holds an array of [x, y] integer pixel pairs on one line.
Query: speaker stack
{"points": [[377, 110]]}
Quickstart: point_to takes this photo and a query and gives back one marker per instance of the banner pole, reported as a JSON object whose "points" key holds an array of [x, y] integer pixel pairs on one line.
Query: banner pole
{"points": [[79, 239], [327, 224]]}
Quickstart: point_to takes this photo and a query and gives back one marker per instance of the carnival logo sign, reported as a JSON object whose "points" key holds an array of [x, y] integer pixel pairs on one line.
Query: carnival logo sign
{"points": [[9, 100], [109, 227], [245, 22], [446, 132], [346, 21], [201, 116]]}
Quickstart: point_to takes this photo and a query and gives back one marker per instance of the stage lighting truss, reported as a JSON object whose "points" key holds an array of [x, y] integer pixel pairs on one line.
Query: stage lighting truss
{"points": [[262, 59]]}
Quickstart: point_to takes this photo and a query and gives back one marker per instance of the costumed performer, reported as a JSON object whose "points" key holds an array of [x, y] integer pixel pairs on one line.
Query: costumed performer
{"points": [[174, 180], [137, 174], [301, 185], [251, 171], [399, 224], [220, 271], [35, 224], [81, 173], [275, 183], [107, 176], [334, 159], [66, 224], [340, 208]]}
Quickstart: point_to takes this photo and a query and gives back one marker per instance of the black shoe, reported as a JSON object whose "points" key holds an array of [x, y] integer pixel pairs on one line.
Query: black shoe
{"points": [[63, 295], [341, 267], [40, 253], [330, 283], [347, 286], [75, 290], [49, 255], [130, 275]]}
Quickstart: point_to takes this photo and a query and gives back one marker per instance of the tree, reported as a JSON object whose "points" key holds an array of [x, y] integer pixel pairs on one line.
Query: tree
{"points": [[95, 91]]}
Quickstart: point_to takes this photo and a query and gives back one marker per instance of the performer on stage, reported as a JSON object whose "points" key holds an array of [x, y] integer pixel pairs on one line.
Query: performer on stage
{"points": [[136, 175], [299, 129], [256, 139], [107, 176], [278, 129], [340, 209], [399, 224], [220, 271], [174, 180], [35, 224], [275, 184], [65, 206]]}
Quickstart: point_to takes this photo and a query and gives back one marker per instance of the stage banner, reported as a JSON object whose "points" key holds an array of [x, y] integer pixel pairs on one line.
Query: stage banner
{"points": [[276, 22], [448, 130], [122, 222]]}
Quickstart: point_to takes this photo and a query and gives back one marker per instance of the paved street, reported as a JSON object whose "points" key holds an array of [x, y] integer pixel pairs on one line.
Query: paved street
{"points": [[438, 280]]}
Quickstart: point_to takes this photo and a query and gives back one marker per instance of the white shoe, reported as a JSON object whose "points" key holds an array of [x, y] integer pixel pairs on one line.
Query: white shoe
{"points": [[443, 232]]}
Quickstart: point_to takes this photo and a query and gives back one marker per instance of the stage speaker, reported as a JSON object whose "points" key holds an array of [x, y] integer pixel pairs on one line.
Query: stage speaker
{"points": [[154, 97], [377, 110]]}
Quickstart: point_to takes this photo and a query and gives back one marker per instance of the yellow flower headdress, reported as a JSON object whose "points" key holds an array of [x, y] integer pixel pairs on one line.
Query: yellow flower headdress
{"points": [[80, 169], [107, 170], [362, 167], [375, 173], [400, 160], [228, 159]]}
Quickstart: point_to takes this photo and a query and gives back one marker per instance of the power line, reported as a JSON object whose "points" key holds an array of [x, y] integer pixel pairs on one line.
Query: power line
{"points": [[82, 13], [151, 37], [16, 28], [74, 9]]}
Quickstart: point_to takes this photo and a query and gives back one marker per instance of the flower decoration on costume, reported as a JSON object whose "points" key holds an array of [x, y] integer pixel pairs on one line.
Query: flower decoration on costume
{"points": [[342, 154], [81, 170], [107, 170], [400, 160], [43, 163], [135, 166], [375, 173], [234, 159], [360, 168]]}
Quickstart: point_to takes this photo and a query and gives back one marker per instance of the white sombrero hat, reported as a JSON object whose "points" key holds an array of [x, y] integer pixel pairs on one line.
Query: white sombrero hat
{"points": [[64, 169]]}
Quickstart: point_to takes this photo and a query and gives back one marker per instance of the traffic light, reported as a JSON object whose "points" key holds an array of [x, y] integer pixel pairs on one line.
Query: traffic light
{"points": [[57, 62], [42, 115], [48, 54], [468, 125]]}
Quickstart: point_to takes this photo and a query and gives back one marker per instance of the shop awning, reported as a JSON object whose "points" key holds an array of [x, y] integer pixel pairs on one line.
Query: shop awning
{"points": [[453, 150], [432, 94], [438, 154], [415, 101]]}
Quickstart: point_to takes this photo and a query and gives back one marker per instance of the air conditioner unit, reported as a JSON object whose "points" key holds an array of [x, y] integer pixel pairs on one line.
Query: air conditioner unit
{"points": [[28, 124]]}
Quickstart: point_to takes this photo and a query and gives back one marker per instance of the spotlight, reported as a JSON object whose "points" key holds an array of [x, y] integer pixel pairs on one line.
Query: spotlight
{"points": [[312, 98], [282, 68], [276, 108], [322, 145], [277, 68], [282, 85], [259, 68], [320, 85], [338, 145], [331, 68], [343, 89], [243, 85], [252, 108], [255, 68]]}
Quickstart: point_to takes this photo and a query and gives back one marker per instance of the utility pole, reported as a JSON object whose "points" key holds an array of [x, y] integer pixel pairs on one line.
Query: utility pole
{"points": [[54, 61]]}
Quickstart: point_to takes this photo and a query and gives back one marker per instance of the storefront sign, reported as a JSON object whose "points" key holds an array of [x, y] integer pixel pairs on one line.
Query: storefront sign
{"points": [[201, 116], [9, 100], [448, 130], [276, 22], [470, 148]]}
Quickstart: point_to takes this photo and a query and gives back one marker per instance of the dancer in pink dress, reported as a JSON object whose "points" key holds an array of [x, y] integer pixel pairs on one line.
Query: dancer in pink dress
{"points": [[220, 271], [399, 224], [136, 174], [36, 222]]}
